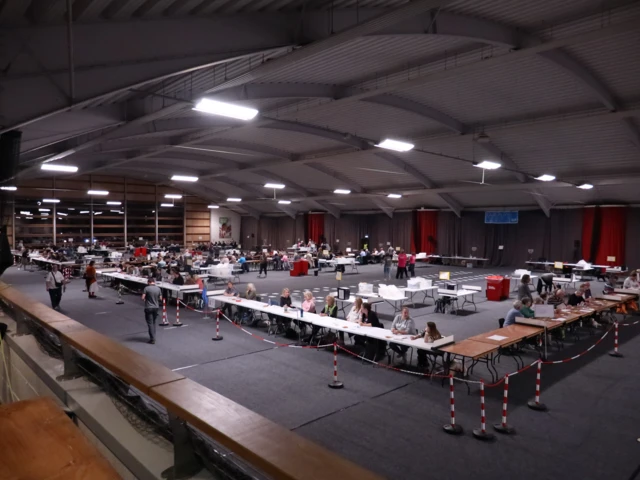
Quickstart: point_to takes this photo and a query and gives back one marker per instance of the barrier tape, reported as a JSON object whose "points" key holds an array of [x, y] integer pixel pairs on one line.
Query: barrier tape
{"points": [[277, 344], [567, 360]]}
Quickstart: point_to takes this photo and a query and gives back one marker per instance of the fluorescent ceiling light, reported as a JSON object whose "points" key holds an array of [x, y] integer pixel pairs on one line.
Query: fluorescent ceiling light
{"points": [[44, 209], [84, 211], [50, 200], [234, 199], [98, 192], [585, 186], [29, 218], [62, 214], [9, 188], [213, 206], [395, 145], [24, 212], [487, 165], [112, 203], [44, 214], [214, 107], [173, 195], [546, 178], [115, 211], [59, 168], [70, 208], [184, 178], [97, 213], [284, 202], [394, 195], [166, 204], [274, 185], [342, 191]]}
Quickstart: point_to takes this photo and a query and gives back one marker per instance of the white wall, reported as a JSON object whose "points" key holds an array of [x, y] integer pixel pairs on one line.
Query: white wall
{"points": [[233, 221]]}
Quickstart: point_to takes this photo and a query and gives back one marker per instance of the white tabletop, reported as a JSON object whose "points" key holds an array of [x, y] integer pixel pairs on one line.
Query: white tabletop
{"points": [[164, 285], [333, 323], [455, 293]]}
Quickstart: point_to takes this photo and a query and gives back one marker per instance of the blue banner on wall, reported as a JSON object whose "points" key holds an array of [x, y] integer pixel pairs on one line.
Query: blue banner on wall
{"points": [[501, 217]]}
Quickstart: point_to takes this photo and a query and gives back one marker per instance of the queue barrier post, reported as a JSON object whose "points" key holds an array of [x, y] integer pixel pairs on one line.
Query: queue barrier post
{"points": [[335, 384], [504, 427], [536, 404], [218, 336], [452, 428], [481, 433], [615, 352], [164, 323], [178, 323]]}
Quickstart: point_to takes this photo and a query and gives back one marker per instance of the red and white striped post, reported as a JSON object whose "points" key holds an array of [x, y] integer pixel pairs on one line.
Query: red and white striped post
{"points": [[452, 427], [178, 324], [164, 313], [481, 433], [615, 352], [535, 404], [218, 336], [504, 427], [335, 383]]}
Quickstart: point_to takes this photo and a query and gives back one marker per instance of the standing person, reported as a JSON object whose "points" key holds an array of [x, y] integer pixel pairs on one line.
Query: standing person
{"points": [[412, 265], [263, 264], [386, 265], [402, 265], [523, 290], [53, 284], [152, 297], [25, 258], [90, 278]]}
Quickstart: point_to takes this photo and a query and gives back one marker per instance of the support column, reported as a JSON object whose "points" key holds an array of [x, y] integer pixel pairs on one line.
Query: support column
{"points": [[157, 212], [125, 212]]}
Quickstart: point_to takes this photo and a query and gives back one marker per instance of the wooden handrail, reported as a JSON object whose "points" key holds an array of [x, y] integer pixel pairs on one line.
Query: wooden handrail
{"points": [[270, 448]]}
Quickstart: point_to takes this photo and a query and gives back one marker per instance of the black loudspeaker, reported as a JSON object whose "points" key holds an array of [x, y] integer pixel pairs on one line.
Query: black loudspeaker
{"points": [[576, 244], [9, 154]]}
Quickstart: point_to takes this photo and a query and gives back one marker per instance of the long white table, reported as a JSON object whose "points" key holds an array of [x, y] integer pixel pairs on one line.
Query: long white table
{"points": [[335, 262], [412, 291], [175, 291], [454, 295], [352, 298], [335, 324], [376, 298]]}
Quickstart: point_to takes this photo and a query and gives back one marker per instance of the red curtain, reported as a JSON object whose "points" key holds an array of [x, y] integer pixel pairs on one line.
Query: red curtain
{"points": [[588, 217], [315, 227], [425, 231], [604, 234]]}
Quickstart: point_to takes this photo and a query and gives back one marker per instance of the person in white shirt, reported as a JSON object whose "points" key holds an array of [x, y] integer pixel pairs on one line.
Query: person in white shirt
{"points": [[54, 284], [632, 281]]}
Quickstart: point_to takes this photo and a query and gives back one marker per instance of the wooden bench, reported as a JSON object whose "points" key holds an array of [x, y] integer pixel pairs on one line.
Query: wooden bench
{"points": [[39, 441]]}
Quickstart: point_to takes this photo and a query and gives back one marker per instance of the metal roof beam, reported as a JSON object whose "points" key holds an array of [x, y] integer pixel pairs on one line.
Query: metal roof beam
{"points": [[405, 167], [382, 205], [420, 109], [255, 91], [453, 204], [335, 212], [503, 159], [346, 181], [291, 212], [632, 131], [542, 201], [340, 137]]}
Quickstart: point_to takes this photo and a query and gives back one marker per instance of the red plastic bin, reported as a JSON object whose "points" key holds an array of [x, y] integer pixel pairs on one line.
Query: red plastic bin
{"points": [[497, 288]]}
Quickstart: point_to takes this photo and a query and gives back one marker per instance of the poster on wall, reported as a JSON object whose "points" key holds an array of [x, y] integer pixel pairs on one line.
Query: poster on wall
{"points": [[225, 229]]}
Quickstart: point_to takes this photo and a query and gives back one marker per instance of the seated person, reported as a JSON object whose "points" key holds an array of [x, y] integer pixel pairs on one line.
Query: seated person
{"points": [[430, 335], [526, 310], [403, 324], [191, 280], [161, 263], [177, 278], [245, 313], [330, 310], [510, 317], [586, 289], [557, 299], [230, 291], [354, 315], [285, 262], [374, 349], [576, 298], [285, 301], [631, 282]]}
